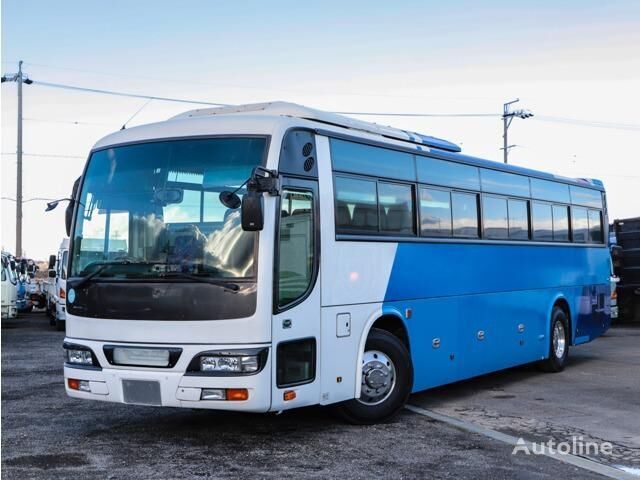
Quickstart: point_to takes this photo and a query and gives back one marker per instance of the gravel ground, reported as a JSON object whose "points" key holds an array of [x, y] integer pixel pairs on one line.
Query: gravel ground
{"points": [[45, 434]]}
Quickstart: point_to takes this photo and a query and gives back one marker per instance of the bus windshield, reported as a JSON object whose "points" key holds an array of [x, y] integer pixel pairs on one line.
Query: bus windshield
{"points": [[151, 210]]}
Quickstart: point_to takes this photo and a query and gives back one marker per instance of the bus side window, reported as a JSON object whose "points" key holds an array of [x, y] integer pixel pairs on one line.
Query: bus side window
{"points": [[295, 245], [465, 214], [579, 224]]}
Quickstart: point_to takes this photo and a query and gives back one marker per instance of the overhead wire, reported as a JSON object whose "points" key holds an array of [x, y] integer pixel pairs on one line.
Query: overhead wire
{"points": [[548, 118], [47, 155]]}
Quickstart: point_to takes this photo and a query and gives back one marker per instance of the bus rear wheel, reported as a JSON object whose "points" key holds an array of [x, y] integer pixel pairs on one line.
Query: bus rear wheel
{"points": [[558, 342], [387, 379]]}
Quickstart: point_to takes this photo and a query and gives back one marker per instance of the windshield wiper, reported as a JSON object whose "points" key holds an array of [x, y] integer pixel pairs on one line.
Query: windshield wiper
{"points": [[233, 287], [102, 266]]}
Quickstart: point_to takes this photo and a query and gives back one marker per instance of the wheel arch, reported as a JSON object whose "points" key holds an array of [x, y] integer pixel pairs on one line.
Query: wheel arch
{"points": [[388, 319], [562, 302]]}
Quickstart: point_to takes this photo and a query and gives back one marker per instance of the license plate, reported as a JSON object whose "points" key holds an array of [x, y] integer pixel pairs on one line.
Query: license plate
{"points": [[141, 392], [144, 357]]}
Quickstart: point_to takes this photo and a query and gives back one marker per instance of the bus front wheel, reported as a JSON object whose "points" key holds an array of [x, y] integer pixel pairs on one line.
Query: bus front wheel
{"points": [[558, 342], [387, 379]]}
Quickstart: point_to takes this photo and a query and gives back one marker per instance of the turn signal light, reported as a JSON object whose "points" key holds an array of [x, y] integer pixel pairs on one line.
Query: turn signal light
{"points": [[289, 395], [63, 294], [81, 385], [237, 394], [614, 295]]}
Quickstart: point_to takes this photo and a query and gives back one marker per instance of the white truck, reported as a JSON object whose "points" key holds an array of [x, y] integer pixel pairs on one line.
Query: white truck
{"points": [[9, 287], [58, 275]]}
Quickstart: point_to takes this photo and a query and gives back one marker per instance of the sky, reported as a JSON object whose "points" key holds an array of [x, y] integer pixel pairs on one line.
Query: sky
{"points": [[577, 60]]}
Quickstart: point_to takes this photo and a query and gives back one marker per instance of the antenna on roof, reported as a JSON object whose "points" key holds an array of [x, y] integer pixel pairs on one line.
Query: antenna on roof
{"points": [[124, 125]]}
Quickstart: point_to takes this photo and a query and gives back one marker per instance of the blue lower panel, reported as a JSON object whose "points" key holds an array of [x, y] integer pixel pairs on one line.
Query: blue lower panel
{"points": [[453, 338], [489, 306], [592, 312]]}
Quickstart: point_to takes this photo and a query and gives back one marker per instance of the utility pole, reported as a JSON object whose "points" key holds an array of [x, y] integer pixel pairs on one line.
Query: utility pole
{"points": [[19, 78], [507, 118]]}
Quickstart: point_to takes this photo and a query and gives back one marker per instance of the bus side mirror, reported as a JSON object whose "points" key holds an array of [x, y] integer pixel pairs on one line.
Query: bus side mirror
{"points": [[13, 265], [68, 213], [52, 261], [68, 217], [52, 273], [252, 212]]}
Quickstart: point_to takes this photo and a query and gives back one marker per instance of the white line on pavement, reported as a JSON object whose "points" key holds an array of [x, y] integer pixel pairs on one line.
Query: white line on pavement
{"points": [[511, 440]]}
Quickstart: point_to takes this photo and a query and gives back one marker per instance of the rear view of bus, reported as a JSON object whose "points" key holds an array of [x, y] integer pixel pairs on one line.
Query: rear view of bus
{"points": [[268, 257]]}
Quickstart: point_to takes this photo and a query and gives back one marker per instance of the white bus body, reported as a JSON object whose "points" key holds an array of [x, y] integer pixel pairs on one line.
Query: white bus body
{"points": [[294, 326]]}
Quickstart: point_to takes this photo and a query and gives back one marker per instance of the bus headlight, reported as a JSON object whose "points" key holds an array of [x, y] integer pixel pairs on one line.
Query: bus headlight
{"points": [[238, 364], [79, 356], [229, 362]]}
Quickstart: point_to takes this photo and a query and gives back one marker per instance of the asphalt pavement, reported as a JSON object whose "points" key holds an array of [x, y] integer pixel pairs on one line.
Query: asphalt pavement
{"points": [[45, 434]]}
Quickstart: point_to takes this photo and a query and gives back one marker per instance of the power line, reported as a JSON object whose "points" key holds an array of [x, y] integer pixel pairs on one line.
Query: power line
{"points": [[47, 155], [69, 122], [546, 118], [169, 99], [38, 199], [125, 94], [588, 123], [397, 114]]}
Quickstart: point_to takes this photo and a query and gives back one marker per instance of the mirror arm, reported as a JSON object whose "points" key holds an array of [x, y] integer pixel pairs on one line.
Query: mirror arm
{"points": [[264, 180]]}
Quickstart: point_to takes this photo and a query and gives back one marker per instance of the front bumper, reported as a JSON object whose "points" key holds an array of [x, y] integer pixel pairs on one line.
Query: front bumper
{"points": [[9, 311], [61, 312], [177, 389]]}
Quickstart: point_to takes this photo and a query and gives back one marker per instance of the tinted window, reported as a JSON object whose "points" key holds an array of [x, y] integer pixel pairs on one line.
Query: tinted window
{"points": [[186, 211], [144, 202], [464, 207], [595, 226], [295, 267], [381, 162], [586, 196], [356, 206], [506, 183], [518, 220], [435, 212], [542, 222], [552, 191], [496, 222], [63, 269], [395, 203], [579, 224], [560, 223], [450, 174]]}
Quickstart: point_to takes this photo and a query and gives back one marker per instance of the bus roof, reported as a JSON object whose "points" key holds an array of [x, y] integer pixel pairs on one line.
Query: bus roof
{"points": [[328, 122], [300, 111], [443, 148]]}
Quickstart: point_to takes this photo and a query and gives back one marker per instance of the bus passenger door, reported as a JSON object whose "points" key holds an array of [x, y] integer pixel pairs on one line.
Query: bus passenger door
{"points": [[296, 298]]}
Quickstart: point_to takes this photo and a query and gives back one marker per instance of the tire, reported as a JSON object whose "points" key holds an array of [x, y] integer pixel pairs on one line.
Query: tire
{"points": [[378, 407], [60, 325], [558, 351]]}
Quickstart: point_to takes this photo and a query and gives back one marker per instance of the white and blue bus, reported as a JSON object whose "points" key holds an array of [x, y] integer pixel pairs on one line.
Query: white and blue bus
{"points": [[266, 257]]}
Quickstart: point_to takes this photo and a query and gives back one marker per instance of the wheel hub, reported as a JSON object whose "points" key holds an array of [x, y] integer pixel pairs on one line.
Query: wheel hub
{"points": [[378, 377], [559, 340]]}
